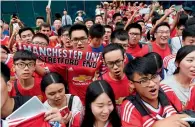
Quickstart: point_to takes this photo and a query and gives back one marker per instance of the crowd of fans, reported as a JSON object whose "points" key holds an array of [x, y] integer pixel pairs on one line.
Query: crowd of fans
{"points": [[146, 75]]}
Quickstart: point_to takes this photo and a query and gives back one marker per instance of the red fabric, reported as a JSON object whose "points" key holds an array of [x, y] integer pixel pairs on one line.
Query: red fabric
{"points": [[9, 63], [134, 51], [34, 91], [155, 48], [120, 87], [191, 102], [5, 41], [173, 33], [53, 43]]}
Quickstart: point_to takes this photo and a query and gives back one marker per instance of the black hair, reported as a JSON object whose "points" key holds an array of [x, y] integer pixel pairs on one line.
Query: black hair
{"points": [[125, 19], [5, 48], [5, 72], [140, 65], [24, 55], [98, 16], [41, 36], [50, 78], [109, 27], [154, 19], [25, 29], [134, 25], [161, 24], [179, 24], [155, 58], [88, 19], [58, 16], [40, 17], [138, 21], [78, 27], [115, 15], [182, 53], [96, 31], [45, 25], [119, 25], [188, 32], [63, 29], [111, 47], [119, 34], [94, 90]]}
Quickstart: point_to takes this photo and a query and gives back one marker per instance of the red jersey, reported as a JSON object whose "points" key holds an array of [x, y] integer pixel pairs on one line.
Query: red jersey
{"points": [[191, 103], [5, 41], [120, 87], [34, 91], [134, 51], [131, 116], [155, 48]]}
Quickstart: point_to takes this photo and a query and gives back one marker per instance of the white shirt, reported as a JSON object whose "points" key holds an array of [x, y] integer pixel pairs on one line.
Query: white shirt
{"points": [[176, 43]]}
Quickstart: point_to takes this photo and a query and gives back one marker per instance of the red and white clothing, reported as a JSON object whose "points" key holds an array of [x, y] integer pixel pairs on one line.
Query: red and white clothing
{"points": [[5, 41], [9, 63], [34, 91], [169, 64], [191, 102]]}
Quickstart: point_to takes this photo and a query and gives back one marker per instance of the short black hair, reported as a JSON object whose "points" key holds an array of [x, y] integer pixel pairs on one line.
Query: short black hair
{"points": [[140, 65], [5, 72], [111, 47], [24, 55], [63, 29], [188, 32], [45, 25], [5, 48], [120, 34], [115, 15], [40, 17], [134, 25], [88, 19], [108, 26], [98, 16], [78, 27], [161, 24], [119, 25], [138, 21], [96, 31], [25, 29], [125, 19], [41, 36], [154, 20]]}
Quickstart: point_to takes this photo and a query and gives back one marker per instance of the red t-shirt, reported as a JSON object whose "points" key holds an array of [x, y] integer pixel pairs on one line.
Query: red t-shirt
{"points": [[120, 87], [34, 91], [134, 51], [5, 41], [155, 48]]}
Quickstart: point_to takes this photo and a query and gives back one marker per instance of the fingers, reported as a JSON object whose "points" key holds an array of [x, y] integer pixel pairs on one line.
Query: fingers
{"points": [[183, 123], [53, 115], [67, 117]]}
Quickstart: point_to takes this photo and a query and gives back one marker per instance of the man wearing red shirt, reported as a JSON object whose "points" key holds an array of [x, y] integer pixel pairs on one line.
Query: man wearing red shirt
{"points": [[115, 75], [135, 32], [151, 106], [26, 84], [4, 38], [160, 45]]}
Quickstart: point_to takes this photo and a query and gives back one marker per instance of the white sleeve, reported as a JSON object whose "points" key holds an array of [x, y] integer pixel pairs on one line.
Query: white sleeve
{"points": [[76, 105]]}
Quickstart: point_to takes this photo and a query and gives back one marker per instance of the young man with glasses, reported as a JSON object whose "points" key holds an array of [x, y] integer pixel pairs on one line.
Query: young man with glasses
{"points": [[115, 75], [152, 103], [26, 84]]}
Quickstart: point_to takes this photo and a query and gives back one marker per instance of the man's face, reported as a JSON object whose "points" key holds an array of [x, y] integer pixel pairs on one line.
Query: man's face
{"points": [[65, 12], [189, 41], [4, 55], [143, 26], [39, 22], [162, 35], [118, 19], [79, 39], [24, 68], [46, 31], [115, 64], [99, 20], [26, 36], [147, 89], [97, 41], [180, 30], [4, 92], [66, 40], [134, 36], [89, 24], [107, 34], [39, 41], [123, 43], [57, 24]]}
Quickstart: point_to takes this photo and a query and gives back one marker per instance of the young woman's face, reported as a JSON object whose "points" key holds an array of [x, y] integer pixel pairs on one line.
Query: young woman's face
{"points": [[102, 107], [55, 93], [187, 65]]}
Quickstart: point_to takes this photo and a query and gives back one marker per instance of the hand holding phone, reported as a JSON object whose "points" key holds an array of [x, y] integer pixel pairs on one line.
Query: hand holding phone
{"points": [[64, 111]]}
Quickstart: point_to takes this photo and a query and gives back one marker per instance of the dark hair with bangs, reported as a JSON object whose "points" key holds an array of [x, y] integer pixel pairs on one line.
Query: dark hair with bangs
{"points": [[24, 55], [140, 65]]}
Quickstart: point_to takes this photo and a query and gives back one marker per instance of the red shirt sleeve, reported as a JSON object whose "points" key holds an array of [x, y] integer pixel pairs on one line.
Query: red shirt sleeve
{"points": [[130, 117], [191, 102]]}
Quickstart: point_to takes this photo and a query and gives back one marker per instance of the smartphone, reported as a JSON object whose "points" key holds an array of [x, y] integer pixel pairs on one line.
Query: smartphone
{"points": [[178, 7], [64, 111]]}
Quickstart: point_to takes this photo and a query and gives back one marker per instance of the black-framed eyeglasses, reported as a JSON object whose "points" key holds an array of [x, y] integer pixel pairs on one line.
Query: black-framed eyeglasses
{"points": [[40, 43], [145, 82], [118, 63], [134, 34], [23, 65], [76, 41]]}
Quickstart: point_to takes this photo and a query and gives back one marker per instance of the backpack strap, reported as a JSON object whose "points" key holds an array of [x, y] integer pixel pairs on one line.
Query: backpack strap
{"points": [[150, 48], [16, 89], [70, 106]]}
